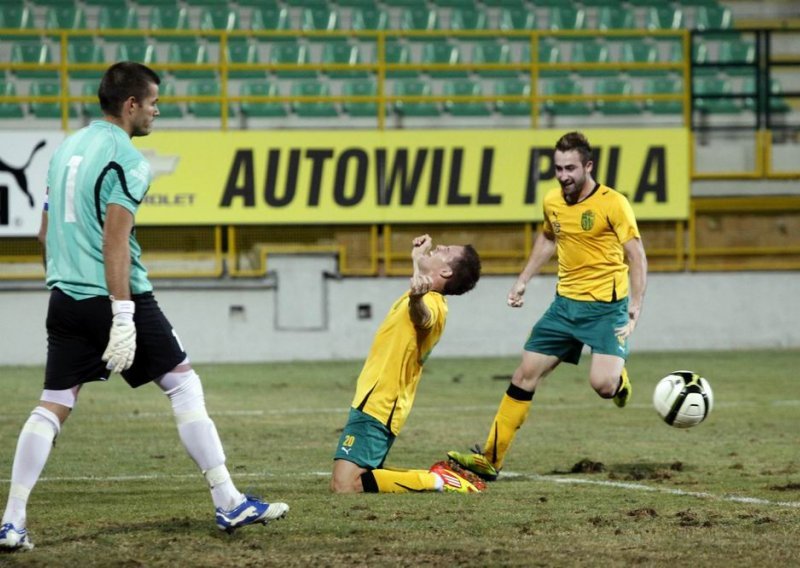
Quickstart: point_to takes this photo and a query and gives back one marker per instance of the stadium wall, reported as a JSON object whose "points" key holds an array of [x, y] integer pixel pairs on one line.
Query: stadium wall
{"points": [[302, 312]]}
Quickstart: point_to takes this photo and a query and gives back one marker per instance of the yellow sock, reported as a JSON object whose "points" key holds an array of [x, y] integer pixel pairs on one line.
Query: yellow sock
{"points": [[404, 480], [510, 416]]}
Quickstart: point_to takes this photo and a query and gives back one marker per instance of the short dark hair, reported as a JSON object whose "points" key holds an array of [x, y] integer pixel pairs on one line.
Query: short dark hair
{"points": [[466, 272], [122, 80], [578, 142]]}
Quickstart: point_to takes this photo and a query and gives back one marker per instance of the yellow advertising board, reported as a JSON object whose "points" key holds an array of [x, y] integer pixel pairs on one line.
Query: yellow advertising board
{"points": [[354, 176]]}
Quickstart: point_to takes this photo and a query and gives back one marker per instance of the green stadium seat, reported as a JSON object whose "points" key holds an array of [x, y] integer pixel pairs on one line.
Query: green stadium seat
{"points": [[136, 49], [641, 52], [714, 18], [468, 19], [16, 17], [615, 17], [369, 18], [649, 3], [699, 56], [32, 53], [495, 53], [321, 19], [549, 52], [396, 54], [563, 87], [465, 88], [91, 109], [777, 104], [219, 17], [156, 2], [205, 88], [715, 86], [421, 19], [512, 4], [456, 4], [201, 3], [589, 52], [85, 52], [513, 88], [47, 88], [291, 53], [117, 17], [65, 17], [664, 18], [170, 18], [341, 53], [517, 20], [405, 3], [270, 19], [10, 110], [414, 88], [101, 2], [243, 53], [261, 109], [738, 51], [550, 3], [321, 109], [442, 53], [712, 3], [663, 86], [168, 109], [601, 3], [615, 86], [185, 52], [360, 88], [357, 4], [566, 17], [302, 4]]}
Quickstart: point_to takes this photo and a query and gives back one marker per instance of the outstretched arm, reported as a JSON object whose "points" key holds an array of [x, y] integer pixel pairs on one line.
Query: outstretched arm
{"points": [[543, 249], [420, 283], [637, 260]]}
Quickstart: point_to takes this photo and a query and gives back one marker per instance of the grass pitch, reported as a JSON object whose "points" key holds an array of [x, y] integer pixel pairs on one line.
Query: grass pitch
{"points": [[585, 483]]}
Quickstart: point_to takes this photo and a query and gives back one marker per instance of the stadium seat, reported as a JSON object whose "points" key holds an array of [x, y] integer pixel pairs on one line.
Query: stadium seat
{"points": [[157, 2], [615, 17], [699, 56], [396, 54], [16, 17], [302, 4], [513, 88], [517, 20], [168, 109], [85, 52], [589, 52], [566, 17], [740, 52], [715, 86], [270, 19], [369, 18], [465, 88], [241, 53], [421, 19], [649, 3], [320, 109], [219, 17], [641, 52], [405, 3], [600, 3], [47, 88], [456, 4], [33, 53], [321, 19], [91, 109], [714, 18], [549, 52], [777, 104], [341, 53], [101, 2], [186, 52], [468, 19], [663, 86], [201, 3], [492, 52], [291, 53], [357, 4], [615, 86], [664, 18], [360, 88], [65, 17], [502, 4], [117, 17], [136, 49], [9, 110], [414, 88], [261, 109], [442, 53], [564, 87], [700, 3], [205, 88], [169, 18]]}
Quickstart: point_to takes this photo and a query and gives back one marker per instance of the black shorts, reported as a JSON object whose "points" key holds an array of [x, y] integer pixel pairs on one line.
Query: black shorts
{"points": [[77, 336]]}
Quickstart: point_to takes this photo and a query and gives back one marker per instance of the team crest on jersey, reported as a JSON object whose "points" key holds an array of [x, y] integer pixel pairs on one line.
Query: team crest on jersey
{"points": [[587, 220]]}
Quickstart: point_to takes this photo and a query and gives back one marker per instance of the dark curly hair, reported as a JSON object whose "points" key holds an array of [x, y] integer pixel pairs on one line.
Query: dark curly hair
{"points": [[466, 272]]}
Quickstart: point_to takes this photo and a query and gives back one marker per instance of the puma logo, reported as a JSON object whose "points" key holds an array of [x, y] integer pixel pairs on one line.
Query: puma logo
{"points": [[19, 173]]}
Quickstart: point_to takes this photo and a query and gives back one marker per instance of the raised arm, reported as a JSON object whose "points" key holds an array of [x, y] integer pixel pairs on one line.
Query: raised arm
{"points": [[420, 284]]}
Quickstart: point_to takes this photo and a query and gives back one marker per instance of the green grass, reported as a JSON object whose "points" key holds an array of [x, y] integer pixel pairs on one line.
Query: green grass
{"points": [[119, 489]]}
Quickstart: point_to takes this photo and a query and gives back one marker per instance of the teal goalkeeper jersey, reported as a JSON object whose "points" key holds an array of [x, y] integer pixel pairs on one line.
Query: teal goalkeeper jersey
{"points": [[95, 166]]}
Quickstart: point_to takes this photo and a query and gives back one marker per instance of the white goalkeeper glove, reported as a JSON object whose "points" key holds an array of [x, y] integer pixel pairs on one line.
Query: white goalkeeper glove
{"points": [[122, 337]]}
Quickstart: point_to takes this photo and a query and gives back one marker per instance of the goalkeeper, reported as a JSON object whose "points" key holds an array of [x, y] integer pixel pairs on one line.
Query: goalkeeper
{"points": [[102, 317], [388, 381]]}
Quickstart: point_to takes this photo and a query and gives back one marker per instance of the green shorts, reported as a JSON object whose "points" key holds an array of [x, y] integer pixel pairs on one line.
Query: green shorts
{"points": [[568, 325], [365, 441]]}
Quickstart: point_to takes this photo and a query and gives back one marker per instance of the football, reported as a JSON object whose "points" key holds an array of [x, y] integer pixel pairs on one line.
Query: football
{"points": [[683, 399]]}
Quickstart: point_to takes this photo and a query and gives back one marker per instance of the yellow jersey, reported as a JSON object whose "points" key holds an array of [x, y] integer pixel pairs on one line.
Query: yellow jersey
{"points": [[589, 236], [388, 381]]}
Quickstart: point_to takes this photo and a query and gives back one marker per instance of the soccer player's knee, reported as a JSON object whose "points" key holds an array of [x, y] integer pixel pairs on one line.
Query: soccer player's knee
{"points": [[605, 386], [187, 398], [44, 423]]}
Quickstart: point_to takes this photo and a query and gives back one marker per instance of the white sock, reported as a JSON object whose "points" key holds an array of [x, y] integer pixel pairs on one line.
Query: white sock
{"points": [[33, 448], [439, 482], [199, 436]]}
